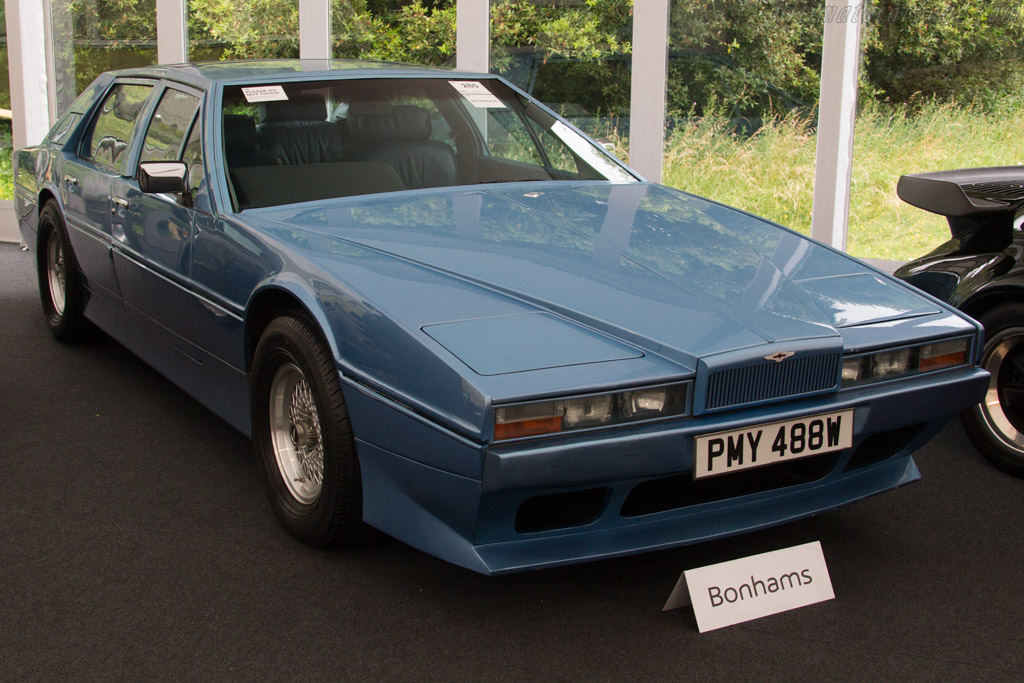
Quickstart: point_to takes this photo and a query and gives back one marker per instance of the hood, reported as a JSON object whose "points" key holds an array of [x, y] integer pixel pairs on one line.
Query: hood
{"points": [[653, 267]]}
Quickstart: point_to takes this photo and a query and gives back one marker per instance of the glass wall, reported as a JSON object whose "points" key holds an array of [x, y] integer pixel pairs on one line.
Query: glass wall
{"points": [[742, 86], [941, 87], [573, 56], [93, 36], [242, 29], [6, 144], [394, 30]]}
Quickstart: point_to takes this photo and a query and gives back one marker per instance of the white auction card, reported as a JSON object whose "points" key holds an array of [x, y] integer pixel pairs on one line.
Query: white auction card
{"points": [[753, 587]]}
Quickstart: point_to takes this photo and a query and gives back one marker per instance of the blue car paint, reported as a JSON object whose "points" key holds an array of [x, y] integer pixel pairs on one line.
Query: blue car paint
{"points": [[678, 281]]}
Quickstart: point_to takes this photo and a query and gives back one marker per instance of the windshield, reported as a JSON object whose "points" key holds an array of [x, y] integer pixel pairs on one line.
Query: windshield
{"points": [[294, 142]]}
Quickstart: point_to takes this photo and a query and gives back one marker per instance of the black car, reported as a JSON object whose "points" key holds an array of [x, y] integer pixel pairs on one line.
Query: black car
{"points": [[980, 271]]}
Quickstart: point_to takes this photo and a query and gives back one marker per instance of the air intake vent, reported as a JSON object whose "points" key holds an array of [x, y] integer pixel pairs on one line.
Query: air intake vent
{"points": [[766, 379], [1007, 191]]}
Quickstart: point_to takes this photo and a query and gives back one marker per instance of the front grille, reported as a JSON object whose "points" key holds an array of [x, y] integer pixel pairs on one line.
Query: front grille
{"points": [[1006, 190], [767, 379]]}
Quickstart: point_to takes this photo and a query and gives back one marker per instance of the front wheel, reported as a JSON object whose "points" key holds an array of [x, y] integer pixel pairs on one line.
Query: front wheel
{"points": [[996, 425], [302, 435]]}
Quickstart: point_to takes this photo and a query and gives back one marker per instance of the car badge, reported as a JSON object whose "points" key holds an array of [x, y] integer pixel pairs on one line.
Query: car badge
{"points": [[779, 356]]}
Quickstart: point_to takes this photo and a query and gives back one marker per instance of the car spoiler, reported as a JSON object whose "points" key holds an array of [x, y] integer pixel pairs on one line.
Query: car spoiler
{"points": [[969, 198]]}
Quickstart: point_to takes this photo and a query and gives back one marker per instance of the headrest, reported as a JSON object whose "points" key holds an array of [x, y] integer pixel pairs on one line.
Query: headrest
{"points": [[307, 107], [239, 131], [403, 122]]}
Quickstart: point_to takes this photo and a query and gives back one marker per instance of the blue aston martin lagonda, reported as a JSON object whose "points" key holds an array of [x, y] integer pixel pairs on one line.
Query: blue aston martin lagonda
{"points": [[439, 309]]}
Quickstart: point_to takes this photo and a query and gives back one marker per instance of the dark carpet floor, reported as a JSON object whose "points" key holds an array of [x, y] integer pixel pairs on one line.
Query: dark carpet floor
{"points": [[137, 545]]}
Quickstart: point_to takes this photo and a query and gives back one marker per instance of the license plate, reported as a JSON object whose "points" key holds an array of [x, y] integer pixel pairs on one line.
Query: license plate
{"points": [[770, 443]]}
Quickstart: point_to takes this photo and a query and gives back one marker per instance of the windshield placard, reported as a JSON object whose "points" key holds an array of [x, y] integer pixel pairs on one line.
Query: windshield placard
{"points": [[264, 93], [477, 94]]}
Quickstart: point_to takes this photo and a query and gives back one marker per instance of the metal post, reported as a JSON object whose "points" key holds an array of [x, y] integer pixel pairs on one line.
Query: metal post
{"points": [[473, 35], [837, 113], [26, 58], [171, 31], [314, 29], [30, 111], [647, 92]]}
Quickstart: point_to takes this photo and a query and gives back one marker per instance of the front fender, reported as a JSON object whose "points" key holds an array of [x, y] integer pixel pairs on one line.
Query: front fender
{"points": [[291, 287]]}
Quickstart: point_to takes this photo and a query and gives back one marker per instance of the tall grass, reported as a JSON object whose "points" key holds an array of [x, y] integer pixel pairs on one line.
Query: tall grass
{"points": [[772, 172]]}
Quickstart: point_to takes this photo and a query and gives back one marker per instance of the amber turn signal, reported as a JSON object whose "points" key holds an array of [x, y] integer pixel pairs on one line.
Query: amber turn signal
{"points": [[535, 427]]}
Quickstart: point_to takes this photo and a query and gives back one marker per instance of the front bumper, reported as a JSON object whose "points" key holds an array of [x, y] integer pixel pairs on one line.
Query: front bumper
{"points": [[465, 504]]}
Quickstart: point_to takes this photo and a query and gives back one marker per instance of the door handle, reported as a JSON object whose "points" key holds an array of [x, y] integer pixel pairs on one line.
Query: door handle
{"points": [[118, 201], [70, 179]]}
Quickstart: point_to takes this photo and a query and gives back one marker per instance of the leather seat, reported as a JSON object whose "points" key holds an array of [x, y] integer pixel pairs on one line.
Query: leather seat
{"points": [[297, 130], [400, 136], [240, 143]]}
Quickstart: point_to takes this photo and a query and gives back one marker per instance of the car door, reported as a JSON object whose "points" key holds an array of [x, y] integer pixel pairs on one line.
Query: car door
{"points": [[153, 252], [103, 155]]}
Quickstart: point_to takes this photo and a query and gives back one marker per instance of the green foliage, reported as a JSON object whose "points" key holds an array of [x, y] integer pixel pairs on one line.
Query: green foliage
{"points": [[953, 50], [424, 32], [250, 28], [776, 42], [415, 32], [119, 21]]}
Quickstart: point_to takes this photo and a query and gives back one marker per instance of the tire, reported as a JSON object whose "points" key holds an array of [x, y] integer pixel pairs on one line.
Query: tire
{"points": [[996, 425], [60, 281], [302, 433]]}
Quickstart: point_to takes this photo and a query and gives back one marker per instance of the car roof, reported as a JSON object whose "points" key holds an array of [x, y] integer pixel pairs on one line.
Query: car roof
{"points": [[203, 74]]}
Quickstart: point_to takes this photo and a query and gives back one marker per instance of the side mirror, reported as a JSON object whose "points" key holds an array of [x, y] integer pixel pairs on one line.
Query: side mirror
{"points": [[162, 176]]}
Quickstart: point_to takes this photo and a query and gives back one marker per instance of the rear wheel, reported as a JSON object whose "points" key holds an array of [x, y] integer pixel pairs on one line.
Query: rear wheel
{"points": [[60, 284], [303, 436], [996, 425]]}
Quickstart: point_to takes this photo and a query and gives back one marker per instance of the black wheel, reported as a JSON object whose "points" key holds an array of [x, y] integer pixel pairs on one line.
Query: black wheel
{"points": [[60, 284], [996, 425], [303, 437]]}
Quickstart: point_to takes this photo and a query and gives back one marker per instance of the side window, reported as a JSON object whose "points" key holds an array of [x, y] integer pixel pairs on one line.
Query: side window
{"points": [[110, 136], [165, 138], [193, 157]]}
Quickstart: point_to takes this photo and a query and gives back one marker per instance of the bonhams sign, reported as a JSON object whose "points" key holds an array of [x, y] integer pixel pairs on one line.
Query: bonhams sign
{"points": [[753, 587]]}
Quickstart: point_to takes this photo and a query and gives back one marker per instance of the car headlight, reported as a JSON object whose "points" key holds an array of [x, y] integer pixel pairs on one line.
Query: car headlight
{"points": [[904, 362], [534, 418]]}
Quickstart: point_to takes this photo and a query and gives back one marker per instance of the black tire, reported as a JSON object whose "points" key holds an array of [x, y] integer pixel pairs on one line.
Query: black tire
{"points": [[294, 380], [996, 425], [60, 281]]}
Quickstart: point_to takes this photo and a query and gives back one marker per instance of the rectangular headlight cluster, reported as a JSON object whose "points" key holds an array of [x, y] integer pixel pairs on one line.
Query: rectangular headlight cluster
{"points": [[905, 362], [593, 410]]}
